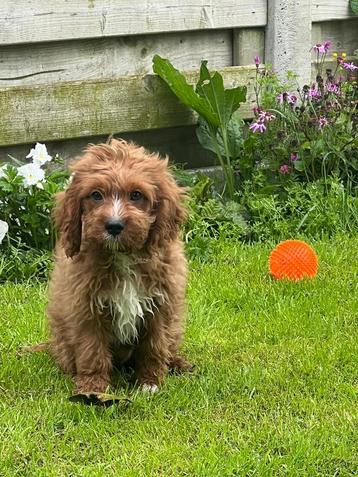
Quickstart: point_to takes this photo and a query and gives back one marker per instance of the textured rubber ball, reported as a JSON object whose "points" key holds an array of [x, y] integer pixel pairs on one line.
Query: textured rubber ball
{"points": [[293, 260]]}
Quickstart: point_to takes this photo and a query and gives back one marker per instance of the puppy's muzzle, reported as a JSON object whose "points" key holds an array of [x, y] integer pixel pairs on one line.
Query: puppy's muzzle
{"points": [[114, 227]]}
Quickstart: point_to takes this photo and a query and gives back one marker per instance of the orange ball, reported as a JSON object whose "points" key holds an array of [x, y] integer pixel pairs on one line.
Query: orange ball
{"points": [[293, 260]]}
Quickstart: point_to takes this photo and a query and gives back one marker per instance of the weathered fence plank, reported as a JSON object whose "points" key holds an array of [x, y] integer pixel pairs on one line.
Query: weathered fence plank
{"points": [[324, 10], [22, 21], [102, 58], [89, 108]]}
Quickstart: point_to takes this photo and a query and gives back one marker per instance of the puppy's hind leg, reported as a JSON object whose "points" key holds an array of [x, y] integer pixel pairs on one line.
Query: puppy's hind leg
{"points": [[179, 365]]}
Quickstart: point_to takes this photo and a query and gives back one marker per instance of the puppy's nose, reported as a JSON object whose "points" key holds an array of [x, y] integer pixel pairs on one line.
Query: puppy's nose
{"points": [[114, 226]]}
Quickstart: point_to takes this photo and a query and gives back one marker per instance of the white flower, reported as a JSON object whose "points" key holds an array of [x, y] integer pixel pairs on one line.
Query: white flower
{"points": [[32, 174], [2, 170], [3, 229], [39, 155]]}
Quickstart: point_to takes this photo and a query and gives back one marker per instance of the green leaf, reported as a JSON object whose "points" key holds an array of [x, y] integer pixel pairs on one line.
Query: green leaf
{"points": [[201, 191], [98, 399], [268, 189], [306, 146], [354, 6], [205, 137], [234, 212], [223, 102], [234, 137], [184, 91], [299, 165], [5, 186]]}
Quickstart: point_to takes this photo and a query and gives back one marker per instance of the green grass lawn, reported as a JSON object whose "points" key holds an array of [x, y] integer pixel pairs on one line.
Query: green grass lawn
{"points": [[274, 393]]}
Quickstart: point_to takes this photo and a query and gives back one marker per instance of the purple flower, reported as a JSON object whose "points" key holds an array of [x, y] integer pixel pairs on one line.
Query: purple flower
{"points": [[332, 88], [322, 122], [256, 110], [294, 157], [284, 169], [322, 48], [319, 48], [258, 126], [257, 61], [281, 97], [289, 97], [314, 93], [349, 66]]}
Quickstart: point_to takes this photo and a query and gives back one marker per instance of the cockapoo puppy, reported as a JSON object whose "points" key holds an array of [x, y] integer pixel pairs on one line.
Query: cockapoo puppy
{"points": [[117, 291]]}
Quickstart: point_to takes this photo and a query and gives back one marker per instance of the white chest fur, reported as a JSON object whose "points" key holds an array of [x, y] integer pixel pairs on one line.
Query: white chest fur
{"points": [[128, 305], [129, 302]]}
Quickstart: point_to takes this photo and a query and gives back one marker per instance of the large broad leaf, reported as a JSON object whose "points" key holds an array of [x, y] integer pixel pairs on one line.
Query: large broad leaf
{"points": [[214, 104], [234, 137], [223, 102], [184, 91]]}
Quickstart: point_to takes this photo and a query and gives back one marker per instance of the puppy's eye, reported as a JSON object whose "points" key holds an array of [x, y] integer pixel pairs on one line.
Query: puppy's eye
{"points": [[136, 195], [96, 196]]}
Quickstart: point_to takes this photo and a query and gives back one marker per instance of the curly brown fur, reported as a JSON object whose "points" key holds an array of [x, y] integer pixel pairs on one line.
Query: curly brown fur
{"points": [[118, 297]]}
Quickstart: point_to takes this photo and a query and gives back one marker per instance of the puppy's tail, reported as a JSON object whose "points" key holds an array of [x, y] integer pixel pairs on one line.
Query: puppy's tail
{"points": [[34, 348]]}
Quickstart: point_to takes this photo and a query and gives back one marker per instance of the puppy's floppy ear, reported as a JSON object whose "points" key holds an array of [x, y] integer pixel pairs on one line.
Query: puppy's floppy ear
{"points": [[68, 221], [169, 212]]}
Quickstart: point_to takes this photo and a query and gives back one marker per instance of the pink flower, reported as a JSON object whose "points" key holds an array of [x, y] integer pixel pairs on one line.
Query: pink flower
{"points": [[262, 118], [291, 98], [294, 157], [265, 116], [349, 66], [284, 169], [258, 126], [257, 61], [322, 122]]}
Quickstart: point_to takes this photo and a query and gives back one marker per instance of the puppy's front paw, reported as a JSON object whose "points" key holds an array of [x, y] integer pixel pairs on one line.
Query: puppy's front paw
{"points": [[90, 384]]}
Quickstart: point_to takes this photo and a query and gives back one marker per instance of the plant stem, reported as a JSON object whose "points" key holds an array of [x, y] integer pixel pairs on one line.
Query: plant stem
{"points": [[229, 183], [230, 173]]}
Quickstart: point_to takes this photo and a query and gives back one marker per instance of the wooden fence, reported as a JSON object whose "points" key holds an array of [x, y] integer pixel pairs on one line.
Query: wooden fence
{"points": [[74, 71]]}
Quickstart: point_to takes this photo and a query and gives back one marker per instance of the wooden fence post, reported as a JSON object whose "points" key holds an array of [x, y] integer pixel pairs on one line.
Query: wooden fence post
{"points": [[288, 37]]}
